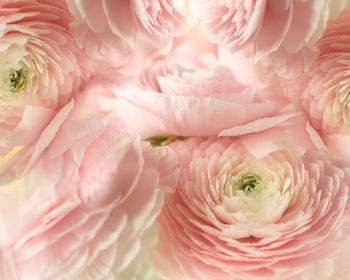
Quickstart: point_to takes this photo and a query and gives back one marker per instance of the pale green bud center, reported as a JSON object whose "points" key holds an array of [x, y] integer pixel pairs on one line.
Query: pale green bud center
{"points": [[16, 80]]}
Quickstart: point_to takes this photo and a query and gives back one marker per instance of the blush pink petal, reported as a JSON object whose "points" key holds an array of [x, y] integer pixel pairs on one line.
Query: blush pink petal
{"points": [[341, 270], [35, 39], [120, 19], [33, 121], [338, 144], [193, 94], [293, 131], [245, 70], [111, 26], [280, 31], [277, 20], [152, 113], [78, 203], [201, 237], [257, 125], [323, 91]]}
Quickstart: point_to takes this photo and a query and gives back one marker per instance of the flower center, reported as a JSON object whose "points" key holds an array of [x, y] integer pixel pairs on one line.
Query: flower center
{"points": [[14, 81], [250, 196], [17, 80], [249, 182], [247, 186]]}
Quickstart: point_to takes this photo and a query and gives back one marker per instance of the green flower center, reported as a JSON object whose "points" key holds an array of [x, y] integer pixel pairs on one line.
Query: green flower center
{"points": [[16, 80], [249, 182], [164, 140]]}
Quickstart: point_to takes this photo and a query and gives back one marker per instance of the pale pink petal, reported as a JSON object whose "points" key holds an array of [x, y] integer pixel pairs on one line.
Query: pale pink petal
{"points": [[276, 33], [286, 223], [81, 207], [187, 116]]}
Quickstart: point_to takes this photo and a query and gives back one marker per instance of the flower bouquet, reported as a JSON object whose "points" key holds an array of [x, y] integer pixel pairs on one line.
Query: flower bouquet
{"points": [[174, 139]]}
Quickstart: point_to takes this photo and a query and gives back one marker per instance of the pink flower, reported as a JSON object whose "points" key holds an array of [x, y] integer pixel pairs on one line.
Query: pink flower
{"points": [[80, 203], [240, 214], [102, 26], [282, 31], [323, 91], [190, 93], [40, 67]]}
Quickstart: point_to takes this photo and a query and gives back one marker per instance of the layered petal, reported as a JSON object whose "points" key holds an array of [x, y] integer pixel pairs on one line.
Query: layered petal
{"points": [[105, 25], [323, 92], [236, 215], [191, 93], [283, 32], [41, 68], [81, 202]]}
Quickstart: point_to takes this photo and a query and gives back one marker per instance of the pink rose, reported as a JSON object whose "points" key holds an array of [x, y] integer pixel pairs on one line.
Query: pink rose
{"points": [[80, 203], [323, 90], [190, 93], [283, 31], [40, 67], [241, 214], [103, 26]]}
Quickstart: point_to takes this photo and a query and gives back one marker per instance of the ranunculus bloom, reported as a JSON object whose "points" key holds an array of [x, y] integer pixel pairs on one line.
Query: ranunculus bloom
{"points": [[239, 215], [190, 93], [323, 91], [80, 203], [41, 67], [102, 26], [282, 31]]}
